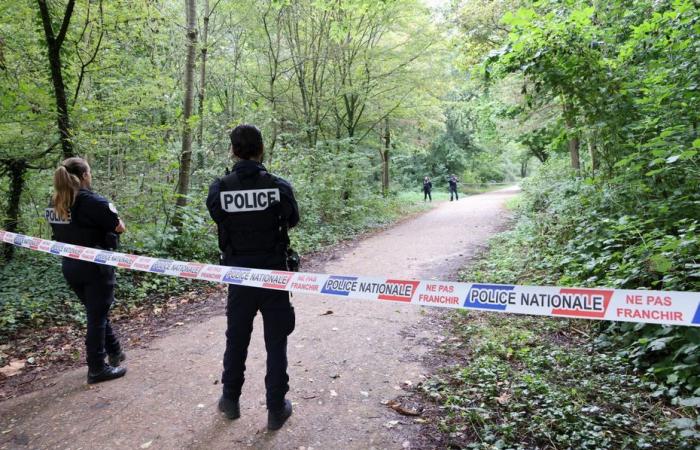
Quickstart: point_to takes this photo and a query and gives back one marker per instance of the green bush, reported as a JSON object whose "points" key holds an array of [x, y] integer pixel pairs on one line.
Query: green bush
{"points": [[575, 231]]}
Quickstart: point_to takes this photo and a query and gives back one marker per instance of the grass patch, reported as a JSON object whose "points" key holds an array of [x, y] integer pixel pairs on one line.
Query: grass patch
{"points": [[473, 189], [514, 202], [416, 197]]}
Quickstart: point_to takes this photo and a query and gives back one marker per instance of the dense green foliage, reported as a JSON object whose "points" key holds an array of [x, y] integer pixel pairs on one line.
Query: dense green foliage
{"points": [[625, 77], [577, 384], [573, 233]]}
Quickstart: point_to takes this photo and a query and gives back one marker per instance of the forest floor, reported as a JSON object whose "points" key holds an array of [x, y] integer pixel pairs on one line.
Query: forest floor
{"points": [[353, 364]]}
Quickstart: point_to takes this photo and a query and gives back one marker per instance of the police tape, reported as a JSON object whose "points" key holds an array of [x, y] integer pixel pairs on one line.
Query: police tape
{"points": [[642, 306]]}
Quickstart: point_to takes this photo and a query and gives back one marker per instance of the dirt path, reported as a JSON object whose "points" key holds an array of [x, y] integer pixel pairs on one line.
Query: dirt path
{"points": [[342, 365]]}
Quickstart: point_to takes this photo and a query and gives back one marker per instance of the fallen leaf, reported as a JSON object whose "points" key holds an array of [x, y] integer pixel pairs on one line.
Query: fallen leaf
{"points": [[396, 406], [13, 368], [503, 398], [146, 444]]}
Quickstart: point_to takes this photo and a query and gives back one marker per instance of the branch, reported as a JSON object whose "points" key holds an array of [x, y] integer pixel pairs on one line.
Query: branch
{"points": [[87, 22], [388, 113], [46, 20], [47, 151], [66, 21], [84, 65], [211, 11]]}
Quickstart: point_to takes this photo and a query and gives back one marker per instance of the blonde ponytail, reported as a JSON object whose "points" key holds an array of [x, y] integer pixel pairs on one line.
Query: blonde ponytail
{"points": [[66, 183]]}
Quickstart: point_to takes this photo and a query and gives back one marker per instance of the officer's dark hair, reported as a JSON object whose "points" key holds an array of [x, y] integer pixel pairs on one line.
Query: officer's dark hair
{"points": [[66, 184], [246, 141]]}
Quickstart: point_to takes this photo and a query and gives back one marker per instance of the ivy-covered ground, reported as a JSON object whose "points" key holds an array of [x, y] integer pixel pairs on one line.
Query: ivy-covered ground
{"points": [[524, 383]]}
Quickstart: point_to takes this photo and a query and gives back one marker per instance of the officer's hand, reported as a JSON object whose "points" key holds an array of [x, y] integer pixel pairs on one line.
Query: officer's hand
{"points": [[121, 227]]}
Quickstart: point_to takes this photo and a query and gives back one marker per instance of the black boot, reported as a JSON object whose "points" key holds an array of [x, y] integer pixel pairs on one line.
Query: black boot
{"points": [[275, 419], [231, 408], [115, 359], [105, 374]]}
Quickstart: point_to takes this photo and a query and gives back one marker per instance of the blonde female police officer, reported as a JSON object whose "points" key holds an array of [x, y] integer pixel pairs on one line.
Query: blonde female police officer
{"points": [[252, 209], [81, 217]]}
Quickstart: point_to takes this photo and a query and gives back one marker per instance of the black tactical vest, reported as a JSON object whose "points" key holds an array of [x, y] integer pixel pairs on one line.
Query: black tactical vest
{"points": [[253, 225], [77, 231]]}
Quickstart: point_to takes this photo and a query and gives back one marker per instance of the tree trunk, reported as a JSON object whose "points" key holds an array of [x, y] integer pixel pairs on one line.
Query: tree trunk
{"points": [[203, 75], [385, 158], [183, 183], [274, 38], [574, 142], [593, 150], [574, 152], [17, 169], [54, 44]]}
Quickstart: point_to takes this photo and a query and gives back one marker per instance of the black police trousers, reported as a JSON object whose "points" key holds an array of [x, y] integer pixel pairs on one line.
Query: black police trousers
{"points": [[278, 321], [94, 286]]}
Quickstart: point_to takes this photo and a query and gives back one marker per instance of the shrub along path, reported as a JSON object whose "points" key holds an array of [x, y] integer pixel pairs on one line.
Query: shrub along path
{"points": [[347, 359]]}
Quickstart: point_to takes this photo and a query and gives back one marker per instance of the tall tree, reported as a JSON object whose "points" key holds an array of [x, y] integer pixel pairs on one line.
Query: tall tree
{"points": [[203, 70], [54, 42], [384, 154], [183, 183]]}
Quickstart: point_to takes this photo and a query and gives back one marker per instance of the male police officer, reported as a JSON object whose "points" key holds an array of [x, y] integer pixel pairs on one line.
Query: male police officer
{"points": [[253, 209]]}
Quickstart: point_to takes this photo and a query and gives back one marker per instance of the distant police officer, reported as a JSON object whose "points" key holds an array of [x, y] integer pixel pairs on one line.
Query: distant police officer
{"points": [[452, 181], [427, 189], [81, 217], [253, 209]]}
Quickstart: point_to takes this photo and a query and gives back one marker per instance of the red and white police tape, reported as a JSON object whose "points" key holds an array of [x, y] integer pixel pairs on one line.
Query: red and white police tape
{"points": [[662, 307]]}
